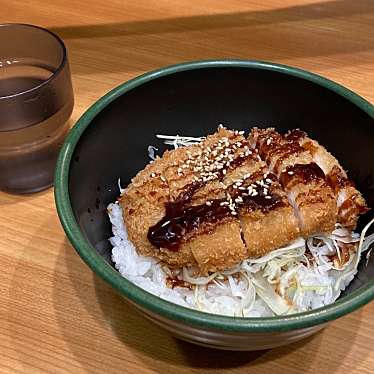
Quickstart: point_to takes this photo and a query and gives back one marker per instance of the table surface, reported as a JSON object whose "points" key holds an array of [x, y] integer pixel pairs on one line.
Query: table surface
{"points": [[55, 316]]}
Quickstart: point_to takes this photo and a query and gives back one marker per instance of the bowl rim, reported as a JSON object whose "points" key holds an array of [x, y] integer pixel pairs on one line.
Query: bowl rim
{"points": [[152, 303]]}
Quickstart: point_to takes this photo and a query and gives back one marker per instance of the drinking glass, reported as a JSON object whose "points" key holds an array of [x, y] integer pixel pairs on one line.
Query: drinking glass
{"points": [[36, 101]]}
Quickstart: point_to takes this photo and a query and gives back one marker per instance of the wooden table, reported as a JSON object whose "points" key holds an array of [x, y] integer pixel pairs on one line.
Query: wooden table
{"points": [[55, 316]]}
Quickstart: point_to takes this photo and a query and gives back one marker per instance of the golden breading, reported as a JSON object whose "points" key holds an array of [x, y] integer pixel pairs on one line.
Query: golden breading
{"points": [[219, 250], [143, 204], [264, 232], [316, 207], [190, 162]]}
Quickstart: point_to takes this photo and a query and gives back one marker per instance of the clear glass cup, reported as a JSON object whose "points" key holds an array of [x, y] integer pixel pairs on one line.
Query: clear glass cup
{"points": [[36, 101]]}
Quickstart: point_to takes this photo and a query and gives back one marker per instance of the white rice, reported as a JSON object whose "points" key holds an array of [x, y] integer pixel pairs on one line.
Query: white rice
{"points": [[251, 292]]}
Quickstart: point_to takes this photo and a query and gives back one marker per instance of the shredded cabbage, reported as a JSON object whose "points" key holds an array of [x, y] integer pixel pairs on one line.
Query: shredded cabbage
{"points": [[180, 141]]}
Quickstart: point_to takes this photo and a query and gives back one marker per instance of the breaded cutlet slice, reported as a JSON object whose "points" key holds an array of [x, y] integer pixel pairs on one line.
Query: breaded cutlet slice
{"points": [[219, 249], [143, 203], [350, 202], [276, 151], [269, 222], [196, 175], [200, 163], [312, 198]]}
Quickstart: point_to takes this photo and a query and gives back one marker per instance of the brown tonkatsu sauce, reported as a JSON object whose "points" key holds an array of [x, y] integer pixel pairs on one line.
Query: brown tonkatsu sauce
{"points": [[306, 173], [337, 180], [284, 152], [172, 282], [350, 205], [295, 135], [181, 219]]}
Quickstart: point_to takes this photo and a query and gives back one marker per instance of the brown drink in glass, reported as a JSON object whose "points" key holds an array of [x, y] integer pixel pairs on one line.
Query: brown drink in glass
{"points": [[36, 101]]}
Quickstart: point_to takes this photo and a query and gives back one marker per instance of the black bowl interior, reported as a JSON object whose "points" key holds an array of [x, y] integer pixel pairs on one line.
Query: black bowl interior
{"points": [[193, 103]]}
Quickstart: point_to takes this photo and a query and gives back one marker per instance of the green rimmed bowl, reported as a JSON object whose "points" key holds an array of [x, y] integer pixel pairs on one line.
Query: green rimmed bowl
{"points": [[110, 141]]}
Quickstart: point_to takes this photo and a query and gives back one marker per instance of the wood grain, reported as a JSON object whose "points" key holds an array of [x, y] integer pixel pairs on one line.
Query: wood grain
{"points": [[55, 316]]}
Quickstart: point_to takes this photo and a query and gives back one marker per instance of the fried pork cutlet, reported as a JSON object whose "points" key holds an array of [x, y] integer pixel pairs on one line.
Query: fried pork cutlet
{"points": [[215, 203], [313, 199], [350, 203]]}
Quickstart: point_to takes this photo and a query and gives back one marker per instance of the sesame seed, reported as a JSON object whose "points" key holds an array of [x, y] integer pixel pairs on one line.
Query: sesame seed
{"points": [[290, 173], [224, 171], [153, 175], [241, 133], [267, 197], [234, 213], [163, 178], [268, 180]]}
